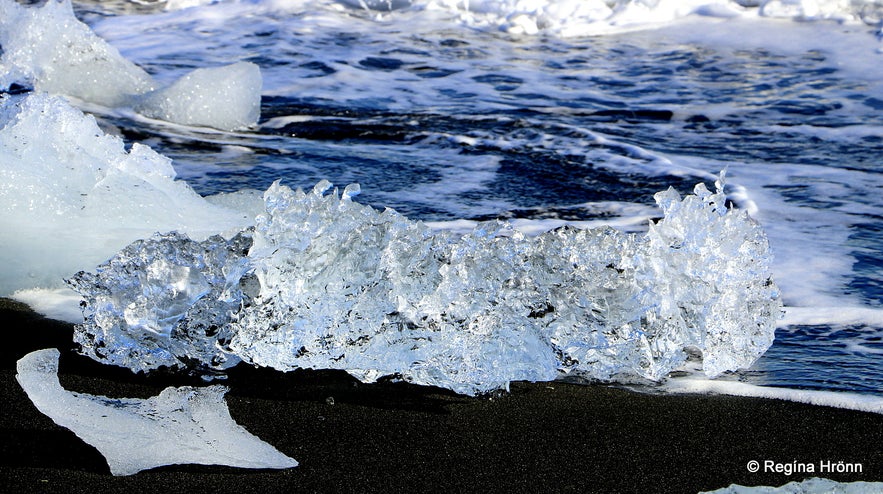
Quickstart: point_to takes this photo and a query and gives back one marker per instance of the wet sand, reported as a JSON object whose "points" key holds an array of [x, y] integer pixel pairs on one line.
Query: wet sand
{"points": [[396, 437]]}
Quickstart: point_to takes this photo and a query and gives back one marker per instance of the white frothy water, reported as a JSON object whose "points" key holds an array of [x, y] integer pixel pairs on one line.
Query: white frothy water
{"points": [[409, 56]]}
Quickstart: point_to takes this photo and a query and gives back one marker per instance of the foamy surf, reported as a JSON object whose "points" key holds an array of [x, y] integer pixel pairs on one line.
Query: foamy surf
{"points": [[591, 109], [850, 401]]}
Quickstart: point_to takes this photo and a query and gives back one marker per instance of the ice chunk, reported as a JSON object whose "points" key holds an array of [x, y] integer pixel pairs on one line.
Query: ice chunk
{"points": [[814, 485], [172, 310], [180, 425], [57, 53], [706, 266], [226, 97], [49, 48], [344, 286], [74, 196]]}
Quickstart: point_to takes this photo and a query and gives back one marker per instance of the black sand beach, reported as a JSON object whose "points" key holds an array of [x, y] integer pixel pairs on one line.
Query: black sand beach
{"points": [[395, 437]]}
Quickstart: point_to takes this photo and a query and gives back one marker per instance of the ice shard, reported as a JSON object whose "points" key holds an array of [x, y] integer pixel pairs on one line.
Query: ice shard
{"points": [[74, 196], [48, 48], [180, 425], [172, 306], [336, 284]]}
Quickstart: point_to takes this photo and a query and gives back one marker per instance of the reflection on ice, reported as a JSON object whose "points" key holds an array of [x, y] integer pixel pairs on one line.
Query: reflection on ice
{"points": [[180, 425], [330, 283]]}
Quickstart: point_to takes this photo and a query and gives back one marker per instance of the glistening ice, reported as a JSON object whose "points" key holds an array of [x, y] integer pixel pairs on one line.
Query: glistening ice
{"points": [[322, 281], [74, 195], [48, 48], [180, 425]]}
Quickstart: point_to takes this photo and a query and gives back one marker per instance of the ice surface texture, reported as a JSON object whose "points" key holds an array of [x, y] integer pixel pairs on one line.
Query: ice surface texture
{"points": [[172, 305], [74, 196], [814, 485], [330, 283], [49, 48], [226, 98], [180, 425]]}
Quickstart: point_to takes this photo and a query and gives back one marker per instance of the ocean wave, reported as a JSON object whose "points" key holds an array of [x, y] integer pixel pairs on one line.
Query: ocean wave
{"points": [[570, 18]]}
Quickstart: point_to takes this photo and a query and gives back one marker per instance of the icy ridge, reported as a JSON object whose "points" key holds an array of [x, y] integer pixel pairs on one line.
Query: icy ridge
{"points": [[330, 283], [49, 48], [74, 196]]}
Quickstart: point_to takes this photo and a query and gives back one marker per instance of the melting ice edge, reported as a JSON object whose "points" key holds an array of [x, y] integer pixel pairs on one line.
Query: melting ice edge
{"points": [[322, 281]]}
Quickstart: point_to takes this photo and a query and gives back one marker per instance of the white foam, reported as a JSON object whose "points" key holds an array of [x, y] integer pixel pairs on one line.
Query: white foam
{"points": [[854, 49], [62, 304], [833, 316], [180, 425], [570, 18], [74, 195], [623, 216], [851, 401]]}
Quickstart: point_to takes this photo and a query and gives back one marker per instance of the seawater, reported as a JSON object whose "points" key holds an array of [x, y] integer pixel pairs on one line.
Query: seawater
{"points": [[451, 114]]}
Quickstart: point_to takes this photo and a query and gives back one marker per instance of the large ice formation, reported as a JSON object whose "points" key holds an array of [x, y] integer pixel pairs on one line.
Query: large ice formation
{"points": [[180, 425], [49, 48], [74, 196], [330, 283]]}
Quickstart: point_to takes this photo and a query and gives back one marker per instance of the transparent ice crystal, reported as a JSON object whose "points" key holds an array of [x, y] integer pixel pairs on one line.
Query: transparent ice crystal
{"points": [[337, 284], [165, 301]]}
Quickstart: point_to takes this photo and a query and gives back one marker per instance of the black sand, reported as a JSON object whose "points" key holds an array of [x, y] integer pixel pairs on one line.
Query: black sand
{"points": [[394, 437]]}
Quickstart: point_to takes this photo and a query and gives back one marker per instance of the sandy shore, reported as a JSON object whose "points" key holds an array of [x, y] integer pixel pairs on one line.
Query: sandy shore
{"points": [[394, 437]]}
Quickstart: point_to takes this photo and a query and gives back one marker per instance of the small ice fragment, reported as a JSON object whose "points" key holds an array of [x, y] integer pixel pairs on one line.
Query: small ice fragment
{"points": [[178, 426], [225, 98]]}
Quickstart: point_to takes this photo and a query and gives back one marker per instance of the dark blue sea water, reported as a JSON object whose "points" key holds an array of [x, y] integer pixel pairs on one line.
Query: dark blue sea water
{"points": [[448, 114]]}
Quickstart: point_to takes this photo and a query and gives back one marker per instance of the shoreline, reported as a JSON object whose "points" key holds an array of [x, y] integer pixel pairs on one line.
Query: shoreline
{"points": [[397, 437]]}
